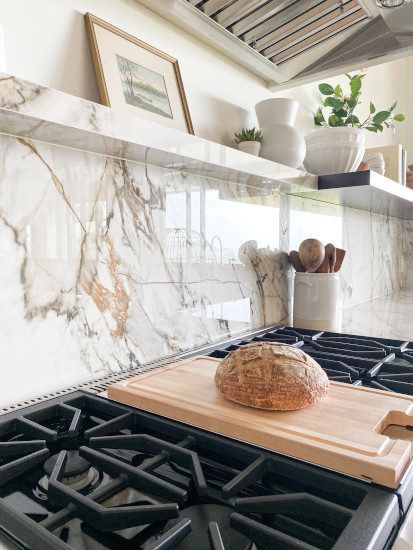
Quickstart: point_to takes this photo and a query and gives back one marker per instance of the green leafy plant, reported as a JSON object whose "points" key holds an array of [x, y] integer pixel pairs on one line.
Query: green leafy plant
{"points": [[248, 134], [343, 105]]}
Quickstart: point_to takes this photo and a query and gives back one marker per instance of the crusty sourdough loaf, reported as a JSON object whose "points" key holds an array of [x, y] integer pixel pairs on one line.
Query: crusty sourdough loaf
{"points": [[271, 376]]}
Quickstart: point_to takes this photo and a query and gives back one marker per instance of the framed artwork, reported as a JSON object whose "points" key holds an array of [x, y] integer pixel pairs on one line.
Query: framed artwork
{"points": [[136, 77]]}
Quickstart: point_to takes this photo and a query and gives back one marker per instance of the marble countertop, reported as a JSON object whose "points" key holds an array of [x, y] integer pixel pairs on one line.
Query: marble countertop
{"points": [[389, 316]]}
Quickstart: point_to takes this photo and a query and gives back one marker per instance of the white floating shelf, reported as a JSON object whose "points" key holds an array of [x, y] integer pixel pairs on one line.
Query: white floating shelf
{"points": [[42, 114], [366, 191], [38, 113]]}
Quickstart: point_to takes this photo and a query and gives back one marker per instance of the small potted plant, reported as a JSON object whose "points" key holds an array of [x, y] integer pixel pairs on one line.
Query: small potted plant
{"points": [[249, 141], [339, 145]]}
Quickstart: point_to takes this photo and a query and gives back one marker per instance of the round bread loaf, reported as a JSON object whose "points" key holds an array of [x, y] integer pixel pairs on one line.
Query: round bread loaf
{"points": [[271, 376]]}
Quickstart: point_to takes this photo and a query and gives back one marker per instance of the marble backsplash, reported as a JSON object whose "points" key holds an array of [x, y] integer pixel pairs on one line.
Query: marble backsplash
{"points": [[109, 264], [378, 247]]}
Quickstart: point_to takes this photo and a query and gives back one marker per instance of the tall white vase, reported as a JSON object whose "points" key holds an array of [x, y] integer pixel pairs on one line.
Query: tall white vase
{"points": [[281, 141]]}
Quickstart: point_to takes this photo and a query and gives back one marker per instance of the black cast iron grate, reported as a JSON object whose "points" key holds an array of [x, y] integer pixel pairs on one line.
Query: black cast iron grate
{"points": [[380, 363], [272, 501]]}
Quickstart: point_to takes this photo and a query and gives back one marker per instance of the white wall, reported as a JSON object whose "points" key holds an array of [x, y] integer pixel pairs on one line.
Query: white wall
{"points": [[45, 42]]}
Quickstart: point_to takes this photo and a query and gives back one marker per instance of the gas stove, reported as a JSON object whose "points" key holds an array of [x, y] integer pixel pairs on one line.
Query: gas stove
{"points": [[379, 363], [82, 472]]}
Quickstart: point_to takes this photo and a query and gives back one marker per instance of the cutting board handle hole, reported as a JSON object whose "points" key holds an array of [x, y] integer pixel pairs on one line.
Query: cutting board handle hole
{"points": [[396, 425]]}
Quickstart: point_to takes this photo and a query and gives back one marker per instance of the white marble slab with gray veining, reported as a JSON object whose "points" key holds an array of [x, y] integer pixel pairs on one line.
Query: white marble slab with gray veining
{"points": [[106, 264], [389, 316], [43, 114]]}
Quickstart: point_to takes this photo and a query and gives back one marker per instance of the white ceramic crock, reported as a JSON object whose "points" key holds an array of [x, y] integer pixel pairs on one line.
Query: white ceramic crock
{"points": [[317, 301], [334, 150], [251, 147]]}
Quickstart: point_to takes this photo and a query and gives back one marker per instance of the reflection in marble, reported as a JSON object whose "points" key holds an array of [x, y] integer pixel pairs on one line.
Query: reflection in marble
{"points": [[389, 316], [108, 264], [408, 252], [376, 263], [378, 247]]}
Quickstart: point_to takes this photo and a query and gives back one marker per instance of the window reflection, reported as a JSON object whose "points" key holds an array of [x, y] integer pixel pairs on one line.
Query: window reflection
{"points": [[203, 227]]}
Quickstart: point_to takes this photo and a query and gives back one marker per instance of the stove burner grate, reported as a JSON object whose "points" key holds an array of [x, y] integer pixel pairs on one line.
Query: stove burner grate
{"points": [[379, 363], [78, 474], [190, 488]]}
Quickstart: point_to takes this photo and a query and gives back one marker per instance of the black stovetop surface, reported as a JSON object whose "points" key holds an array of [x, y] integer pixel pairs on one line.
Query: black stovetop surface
{"points": [[82, 472], [380, 363]]}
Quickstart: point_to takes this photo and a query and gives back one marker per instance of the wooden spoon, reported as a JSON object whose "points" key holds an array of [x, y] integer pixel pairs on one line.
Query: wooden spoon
{"points": [[329, 259], [331, 254], [296, 262], [324, 267], [312, 254], [340, 253]]}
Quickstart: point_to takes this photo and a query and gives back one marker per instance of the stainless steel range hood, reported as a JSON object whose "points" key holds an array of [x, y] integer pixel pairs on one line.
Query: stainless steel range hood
{"points": [[291, 42]]}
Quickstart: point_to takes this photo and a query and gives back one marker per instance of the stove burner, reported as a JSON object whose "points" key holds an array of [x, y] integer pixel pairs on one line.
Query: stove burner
{"points": [[159, 484], [201, 517], [75, 465], [79, 474]]}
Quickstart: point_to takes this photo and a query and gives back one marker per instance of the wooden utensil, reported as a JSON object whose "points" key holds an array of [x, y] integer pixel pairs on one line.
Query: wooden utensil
{"points": [[340, 253], [324, 267], [330, 252], [296, 262], [312, 254], [342, 432]]}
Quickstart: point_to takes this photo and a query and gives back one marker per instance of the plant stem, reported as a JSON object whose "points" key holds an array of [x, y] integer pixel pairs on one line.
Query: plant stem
{"points": [[365, 123]]}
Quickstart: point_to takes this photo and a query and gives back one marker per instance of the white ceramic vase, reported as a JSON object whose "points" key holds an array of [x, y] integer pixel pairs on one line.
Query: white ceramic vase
{"points": [[281, 141], [251, 147], [334, 150]]}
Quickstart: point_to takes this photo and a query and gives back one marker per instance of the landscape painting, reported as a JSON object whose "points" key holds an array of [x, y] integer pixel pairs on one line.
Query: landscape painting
{"points": [[135, 77], [143, 88]]}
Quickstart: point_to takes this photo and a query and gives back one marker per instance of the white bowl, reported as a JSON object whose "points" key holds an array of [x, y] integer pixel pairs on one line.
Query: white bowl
{"points": [[323, 159], [343, 133], [332, 144]]}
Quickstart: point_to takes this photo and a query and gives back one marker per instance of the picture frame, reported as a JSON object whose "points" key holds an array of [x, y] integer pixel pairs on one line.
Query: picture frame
{"points": [[136, 77]]}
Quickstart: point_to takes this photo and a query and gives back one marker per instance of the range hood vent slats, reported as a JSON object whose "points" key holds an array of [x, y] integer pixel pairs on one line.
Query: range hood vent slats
{"points": [[313, 29], [261, 18], [211, 7], [237, 11], [332, 30], [281, 29], [293, 42], [286, 20]]}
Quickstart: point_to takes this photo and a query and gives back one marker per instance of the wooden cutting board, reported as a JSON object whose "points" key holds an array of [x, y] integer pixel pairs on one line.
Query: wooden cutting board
{"points": [[343, 432]]}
